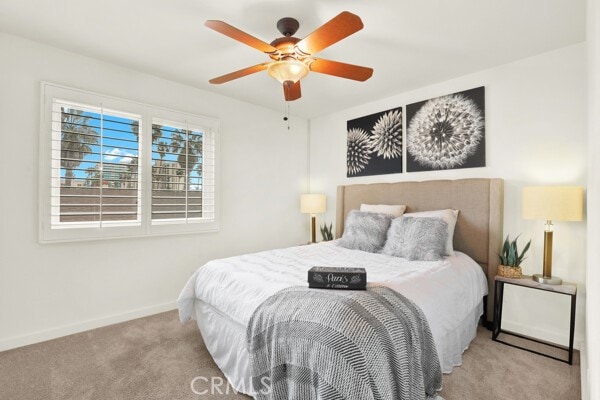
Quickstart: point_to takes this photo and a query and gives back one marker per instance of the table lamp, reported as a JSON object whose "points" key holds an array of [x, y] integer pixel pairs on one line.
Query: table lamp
{"points": [[313, 204], [552, 203]]}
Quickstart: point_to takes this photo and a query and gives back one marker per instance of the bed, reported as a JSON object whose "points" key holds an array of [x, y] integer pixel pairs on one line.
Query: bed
{"points": [[223, 294]]}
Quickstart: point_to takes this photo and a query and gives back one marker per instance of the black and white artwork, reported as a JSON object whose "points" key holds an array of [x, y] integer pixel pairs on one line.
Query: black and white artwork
{"points": [[446, 132], [374, 144]]}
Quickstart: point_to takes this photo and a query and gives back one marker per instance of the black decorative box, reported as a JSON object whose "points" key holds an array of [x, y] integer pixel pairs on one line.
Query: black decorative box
{"points": [[337, 278]]}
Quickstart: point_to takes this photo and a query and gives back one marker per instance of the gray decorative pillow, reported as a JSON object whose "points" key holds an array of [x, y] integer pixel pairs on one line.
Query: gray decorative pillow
{"points": [[448, 215], [413, 238], [365, 231]]}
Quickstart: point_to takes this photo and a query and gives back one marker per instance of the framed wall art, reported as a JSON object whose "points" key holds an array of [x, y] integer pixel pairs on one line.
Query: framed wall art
{"points": [[374, 144], [446, 132]]}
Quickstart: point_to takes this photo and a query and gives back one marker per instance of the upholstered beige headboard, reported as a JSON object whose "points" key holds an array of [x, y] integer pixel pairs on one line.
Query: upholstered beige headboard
{"points": [[478, 230]]}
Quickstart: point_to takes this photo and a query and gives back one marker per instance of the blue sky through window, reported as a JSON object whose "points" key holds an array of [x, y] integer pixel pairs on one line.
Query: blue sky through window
{"points": [[116, 142]]}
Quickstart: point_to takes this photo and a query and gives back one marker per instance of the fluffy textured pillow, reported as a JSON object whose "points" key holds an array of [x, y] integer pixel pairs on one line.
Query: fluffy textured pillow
{"points": [[393, 210], [422, 239], [449, 216], [365, 231]]}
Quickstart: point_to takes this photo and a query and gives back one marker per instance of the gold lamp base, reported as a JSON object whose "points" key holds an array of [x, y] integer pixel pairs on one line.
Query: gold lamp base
{"points": [[548, 280], [547, 277]]}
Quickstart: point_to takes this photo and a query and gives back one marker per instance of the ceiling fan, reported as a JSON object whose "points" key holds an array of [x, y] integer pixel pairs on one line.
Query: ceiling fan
{"points": [[292, 58]]}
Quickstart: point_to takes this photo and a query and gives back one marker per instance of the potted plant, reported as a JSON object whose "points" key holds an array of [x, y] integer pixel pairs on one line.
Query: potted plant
{"points": [[327, 232], [510, 259]]}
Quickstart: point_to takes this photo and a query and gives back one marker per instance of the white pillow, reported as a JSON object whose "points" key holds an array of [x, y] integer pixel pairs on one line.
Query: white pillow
{"points": [[449, 216], [393, 210]]}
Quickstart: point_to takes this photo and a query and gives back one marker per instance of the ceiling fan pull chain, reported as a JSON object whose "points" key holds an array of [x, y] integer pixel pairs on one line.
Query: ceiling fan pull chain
{"points": [[286, 117]]}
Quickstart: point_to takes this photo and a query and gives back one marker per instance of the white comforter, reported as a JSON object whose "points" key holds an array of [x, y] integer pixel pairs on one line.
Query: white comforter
{"points": [[448, 291]]}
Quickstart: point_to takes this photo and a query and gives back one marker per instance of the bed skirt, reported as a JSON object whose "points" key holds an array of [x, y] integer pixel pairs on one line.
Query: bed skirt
{"points": [[225, 340]]}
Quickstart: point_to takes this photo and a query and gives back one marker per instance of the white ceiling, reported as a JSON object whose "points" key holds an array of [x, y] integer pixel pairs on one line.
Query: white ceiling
{"points": [[408, 43]]}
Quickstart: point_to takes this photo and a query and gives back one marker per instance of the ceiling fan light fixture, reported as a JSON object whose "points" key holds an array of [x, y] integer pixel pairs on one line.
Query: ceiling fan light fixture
{"points": [[292, 58], [288, 70]]}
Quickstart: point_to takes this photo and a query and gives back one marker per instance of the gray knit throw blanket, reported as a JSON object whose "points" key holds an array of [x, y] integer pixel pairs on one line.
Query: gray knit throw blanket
{"points": [[333, 344]]}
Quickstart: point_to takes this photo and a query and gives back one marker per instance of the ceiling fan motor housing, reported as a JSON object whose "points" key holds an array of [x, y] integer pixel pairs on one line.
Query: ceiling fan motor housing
{"points": [[286, 47]]}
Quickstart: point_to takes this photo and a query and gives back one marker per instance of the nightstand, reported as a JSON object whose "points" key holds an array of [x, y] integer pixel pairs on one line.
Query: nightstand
{"points": [[567, 289]]}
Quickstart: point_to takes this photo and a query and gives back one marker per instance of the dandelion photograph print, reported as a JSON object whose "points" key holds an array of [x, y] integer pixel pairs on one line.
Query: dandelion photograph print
{"points": [[375, 144], [446, 132]]}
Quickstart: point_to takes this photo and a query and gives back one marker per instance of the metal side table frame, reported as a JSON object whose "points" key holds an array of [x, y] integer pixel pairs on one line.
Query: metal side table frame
{"points": [[568, 289]]}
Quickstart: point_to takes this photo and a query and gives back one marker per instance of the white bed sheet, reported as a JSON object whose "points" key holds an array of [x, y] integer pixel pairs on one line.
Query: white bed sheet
{"points": [[223, 294]]}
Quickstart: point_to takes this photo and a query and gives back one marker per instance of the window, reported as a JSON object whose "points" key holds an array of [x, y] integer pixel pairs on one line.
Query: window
{"points": [[182, 162], [95, 180]]}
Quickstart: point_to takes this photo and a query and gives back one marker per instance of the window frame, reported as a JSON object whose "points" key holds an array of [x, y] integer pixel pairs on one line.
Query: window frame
{"points": [[48, 234]]}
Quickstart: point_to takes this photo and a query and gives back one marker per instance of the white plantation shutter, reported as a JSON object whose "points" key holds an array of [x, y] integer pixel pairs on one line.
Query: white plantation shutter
{"points": [[116, 168], [209, 190], [183, 173], [95, 161]]}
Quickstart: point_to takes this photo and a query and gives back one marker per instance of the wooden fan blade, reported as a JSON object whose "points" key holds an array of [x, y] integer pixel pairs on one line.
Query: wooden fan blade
{"points": [[235, 33], [291, 90], [242, 72], [344, 25], [348, 71]]}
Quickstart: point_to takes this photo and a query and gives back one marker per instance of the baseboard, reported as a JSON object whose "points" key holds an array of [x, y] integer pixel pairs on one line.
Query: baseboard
{"points": [[549, 336], [585, 395], [65, 330]]}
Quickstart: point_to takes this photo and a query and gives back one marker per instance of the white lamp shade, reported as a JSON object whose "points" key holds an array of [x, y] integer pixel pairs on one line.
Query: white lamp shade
{"points": [[556, 203], [313, 203]]}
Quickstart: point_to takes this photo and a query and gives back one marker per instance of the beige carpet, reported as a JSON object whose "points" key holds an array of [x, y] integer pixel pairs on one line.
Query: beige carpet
{"points": [[157, 358]]}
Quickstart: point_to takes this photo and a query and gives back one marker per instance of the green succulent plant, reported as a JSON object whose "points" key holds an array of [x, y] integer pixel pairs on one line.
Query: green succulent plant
{"points": [[327, 231], [510, 253]]}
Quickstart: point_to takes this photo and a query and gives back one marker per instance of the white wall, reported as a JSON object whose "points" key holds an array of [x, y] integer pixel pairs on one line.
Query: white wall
{"points": [[55, 289], [535, 134], [592, 374]]}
